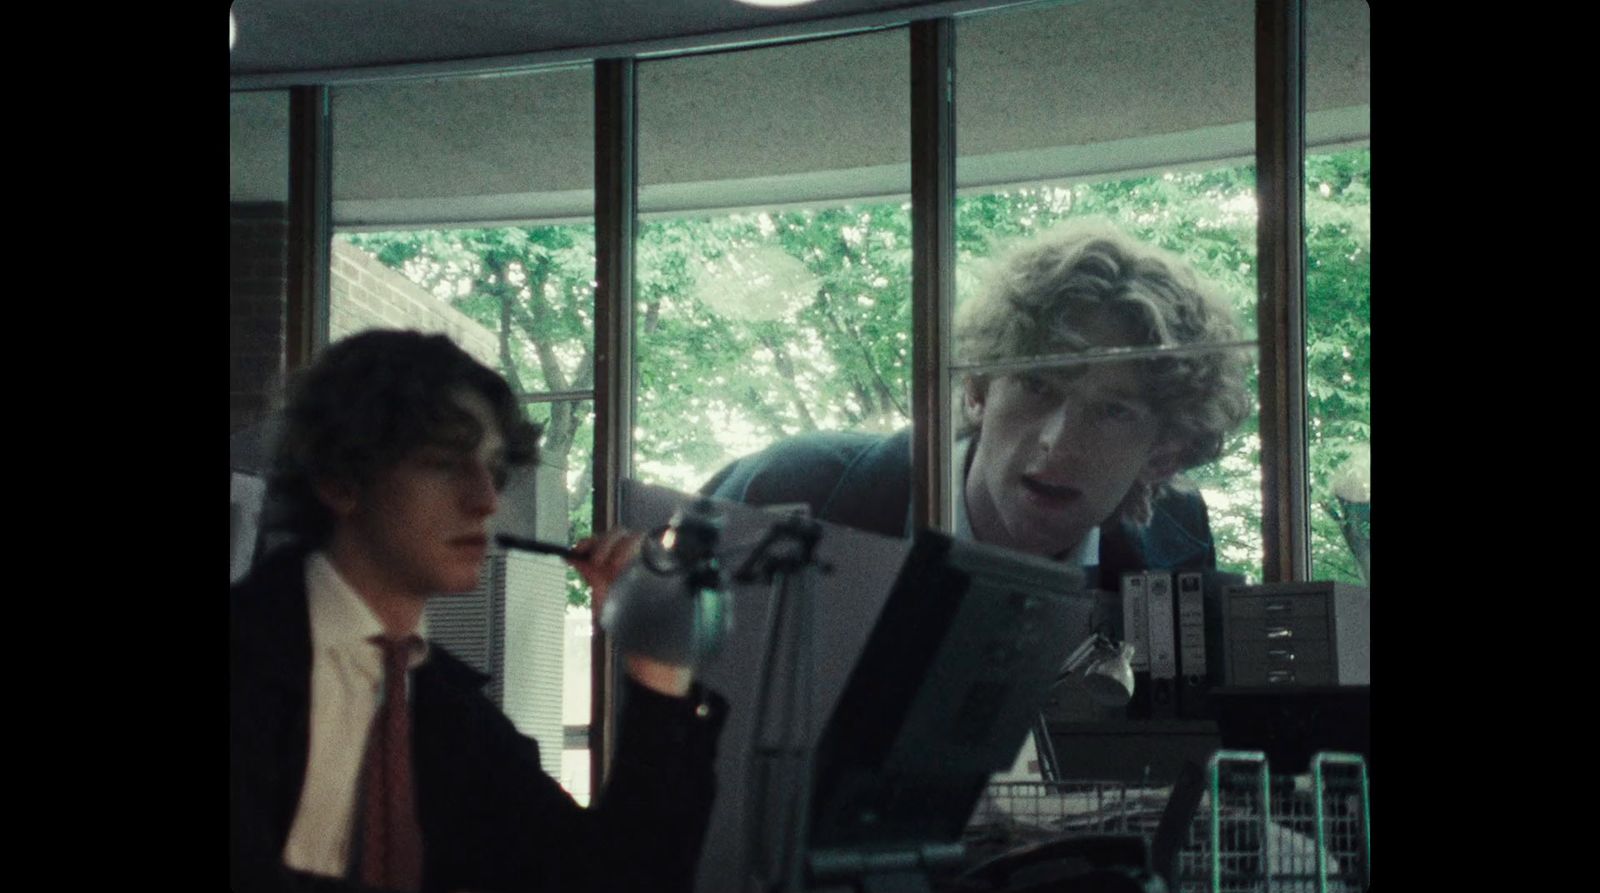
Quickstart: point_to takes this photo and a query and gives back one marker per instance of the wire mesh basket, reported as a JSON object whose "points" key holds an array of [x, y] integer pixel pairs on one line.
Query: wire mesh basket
{"points": [[1251, 832]]}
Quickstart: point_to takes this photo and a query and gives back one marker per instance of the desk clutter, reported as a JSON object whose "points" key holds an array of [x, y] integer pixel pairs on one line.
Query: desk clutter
{"points": [[1195, 632], [1241, 763], [1297, 634], [1230, 827], [874, 769]]}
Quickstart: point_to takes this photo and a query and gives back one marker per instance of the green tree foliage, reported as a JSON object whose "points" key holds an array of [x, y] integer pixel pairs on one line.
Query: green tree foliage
{"points": [[1339, 357], [765, 325], [756, 326]]}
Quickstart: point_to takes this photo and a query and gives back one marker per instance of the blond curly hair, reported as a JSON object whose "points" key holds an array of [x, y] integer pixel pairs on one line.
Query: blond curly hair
{"points": [[1042, 294]]}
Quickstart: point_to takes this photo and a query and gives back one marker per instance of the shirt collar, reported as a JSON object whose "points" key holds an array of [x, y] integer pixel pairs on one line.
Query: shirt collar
{"points": [[339, 618]]}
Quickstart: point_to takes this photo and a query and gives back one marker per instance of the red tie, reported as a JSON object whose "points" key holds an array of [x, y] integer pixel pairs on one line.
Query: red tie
{"points": [[391, 843]]}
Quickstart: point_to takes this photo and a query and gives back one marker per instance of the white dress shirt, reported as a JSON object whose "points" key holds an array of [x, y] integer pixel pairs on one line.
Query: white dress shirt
{"points": [[346, 691]]}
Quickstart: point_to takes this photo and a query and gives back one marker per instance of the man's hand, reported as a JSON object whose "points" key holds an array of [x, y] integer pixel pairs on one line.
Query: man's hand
{"points": [[600, 560], [603, 560], [668, 679]]}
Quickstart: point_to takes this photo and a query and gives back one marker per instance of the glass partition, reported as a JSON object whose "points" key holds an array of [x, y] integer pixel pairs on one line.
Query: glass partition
{"points": [[780, 305], [1104, 372], [464, 207], [1339, 294]]}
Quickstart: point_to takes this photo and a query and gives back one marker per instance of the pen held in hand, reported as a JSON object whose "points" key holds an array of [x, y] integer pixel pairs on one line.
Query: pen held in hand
{"points": [[539, 546]]}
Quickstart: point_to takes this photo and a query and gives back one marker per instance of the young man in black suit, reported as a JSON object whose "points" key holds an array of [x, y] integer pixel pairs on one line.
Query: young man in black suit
{"points": [[363, 757]]}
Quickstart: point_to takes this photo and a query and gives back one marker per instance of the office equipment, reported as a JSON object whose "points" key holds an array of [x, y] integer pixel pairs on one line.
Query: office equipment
{"points": [[846, 602], [1297, 634], [1163, 644], [1200, 649], [1136, 743], [1104, 669], [1135, 630], [1297, 671], [1136, 621], [1191, 638], [778, 789], [670, 604], [1233, 825], [1099, 670], [945, 690], [1308, 831]]}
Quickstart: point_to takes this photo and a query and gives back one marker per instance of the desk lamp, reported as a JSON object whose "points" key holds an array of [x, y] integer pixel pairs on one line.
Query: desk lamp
{"points": [[1104, 668]]}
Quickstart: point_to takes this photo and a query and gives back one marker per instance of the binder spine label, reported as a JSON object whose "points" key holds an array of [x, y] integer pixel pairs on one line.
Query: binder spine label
{"points": [[1191, 626], [1135, 620], [1163, 656]]}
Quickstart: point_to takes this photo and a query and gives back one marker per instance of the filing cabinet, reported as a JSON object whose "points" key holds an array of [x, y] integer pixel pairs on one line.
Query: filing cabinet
{"points": [[1297, 634]]}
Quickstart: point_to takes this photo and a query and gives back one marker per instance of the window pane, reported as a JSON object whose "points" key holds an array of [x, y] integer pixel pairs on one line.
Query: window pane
{"points": [[769, 318], [1339, 299], [1339, 361], [569, 433], [419, 169], [567, 451], [519, 299], [1117, 158]]}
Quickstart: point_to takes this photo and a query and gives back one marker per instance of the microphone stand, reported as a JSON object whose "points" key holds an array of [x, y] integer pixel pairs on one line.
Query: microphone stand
{"points": [[778, 799]]}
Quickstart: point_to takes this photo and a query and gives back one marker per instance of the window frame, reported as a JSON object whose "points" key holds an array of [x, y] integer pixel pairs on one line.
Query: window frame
{"points": [[1280, 52]]}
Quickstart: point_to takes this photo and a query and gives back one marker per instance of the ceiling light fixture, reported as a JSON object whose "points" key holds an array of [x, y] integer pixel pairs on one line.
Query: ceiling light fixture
{"points": [[775, 3], [233, 31]]}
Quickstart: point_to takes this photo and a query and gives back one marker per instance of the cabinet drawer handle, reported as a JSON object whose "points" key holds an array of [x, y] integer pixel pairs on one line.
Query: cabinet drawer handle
{"points": [[1279, 607], [1281, 653], [1280, 632], [1278, 676]]}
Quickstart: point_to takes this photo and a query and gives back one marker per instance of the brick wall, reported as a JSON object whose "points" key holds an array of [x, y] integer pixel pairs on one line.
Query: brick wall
{"points": [[365, 294], [258, 282]]}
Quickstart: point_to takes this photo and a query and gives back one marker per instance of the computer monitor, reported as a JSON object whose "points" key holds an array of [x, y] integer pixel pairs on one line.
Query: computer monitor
{"points": [[945, 691], [897, 619]]}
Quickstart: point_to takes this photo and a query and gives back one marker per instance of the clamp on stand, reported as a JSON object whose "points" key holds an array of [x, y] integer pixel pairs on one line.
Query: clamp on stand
{"points": [[779, 794]]}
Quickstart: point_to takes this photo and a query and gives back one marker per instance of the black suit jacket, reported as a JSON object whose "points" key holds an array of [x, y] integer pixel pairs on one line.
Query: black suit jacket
{"points": [[491, 818]]}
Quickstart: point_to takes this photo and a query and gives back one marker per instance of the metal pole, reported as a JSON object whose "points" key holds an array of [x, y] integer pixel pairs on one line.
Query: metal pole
{"points": [[1280, 313], [615, 185], [310, 225], [933, 196]]}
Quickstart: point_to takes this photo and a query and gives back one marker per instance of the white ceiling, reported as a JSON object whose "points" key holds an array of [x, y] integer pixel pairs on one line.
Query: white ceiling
{"points": [[1081, 90]]}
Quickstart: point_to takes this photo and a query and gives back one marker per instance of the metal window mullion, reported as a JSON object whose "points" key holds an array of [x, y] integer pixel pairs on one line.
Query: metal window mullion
{"points": [[310, 233], [1280, 312], [933, 195], [615, 207], [558, 396]]}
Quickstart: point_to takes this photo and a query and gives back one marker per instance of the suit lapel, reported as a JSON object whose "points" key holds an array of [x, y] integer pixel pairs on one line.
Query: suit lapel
{"points": [[271, 638]]}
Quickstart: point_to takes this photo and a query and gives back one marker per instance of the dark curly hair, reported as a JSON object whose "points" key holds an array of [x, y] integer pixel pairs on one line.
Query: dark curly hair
{"points": [[369, 401]]}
